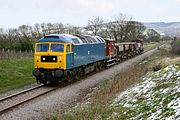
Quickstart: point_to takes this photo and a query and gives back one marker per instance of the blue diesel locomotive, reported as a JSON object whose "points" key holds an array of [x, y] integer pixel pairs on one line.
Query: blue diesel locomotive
{"points": [[64, 57]]}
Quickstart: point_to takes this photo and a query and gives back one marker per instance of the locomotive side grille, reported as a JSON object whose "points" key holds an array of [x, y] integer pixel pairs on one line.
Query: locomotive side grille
{"points": [[48, 58]]}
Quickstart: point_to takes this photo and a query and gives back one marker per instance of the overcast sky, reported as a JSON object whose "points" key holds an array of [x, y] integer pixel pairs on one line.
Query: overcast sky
{"points": [[77, 12]]}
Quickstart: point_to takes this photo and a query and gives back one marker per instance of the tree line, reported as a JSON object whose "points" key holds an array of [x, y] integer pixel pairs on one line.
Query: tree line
{"points": [[121, 29]]}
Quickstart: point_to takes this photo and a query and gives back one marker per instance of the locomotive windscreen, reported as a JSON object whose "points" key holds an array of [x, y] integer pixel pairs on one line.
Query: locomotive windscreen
{"points": [[42, 47], [57, 47]]}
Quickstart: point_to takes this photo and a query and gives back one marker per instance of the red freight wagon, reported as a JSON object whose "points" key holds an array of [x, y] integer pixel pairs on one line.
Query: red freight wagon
{"points": [[140, 45], [111, 51], [126, 50]]}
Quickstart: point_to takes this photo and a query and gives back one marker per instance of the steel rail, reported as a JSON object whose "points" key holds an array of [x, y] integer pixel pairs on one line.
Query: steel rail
{"points": [[21, 92], [5, 110]]}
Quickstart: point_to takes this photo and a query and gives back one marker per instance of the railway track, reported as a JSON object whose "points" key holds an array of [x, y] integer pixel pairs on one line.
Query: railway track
{"points": [[13, 101]]}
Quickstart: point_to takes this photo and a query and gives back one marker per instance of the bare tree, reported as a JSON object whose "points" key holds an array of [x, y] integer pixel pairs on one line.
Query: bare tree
{"points": [[95, 25], [37, 31], [59, 28], [49, 28], [25, 39], [124, 29], [134, 30], [153, 35], [70, 29], [1, 31], [118, 27], [11, 38], [43, 27]]}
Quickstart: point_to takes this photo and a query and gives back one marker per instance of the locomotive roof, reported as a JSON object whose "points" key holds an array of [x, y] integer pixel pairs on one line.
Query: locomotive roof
{"points": [[75, 39]]}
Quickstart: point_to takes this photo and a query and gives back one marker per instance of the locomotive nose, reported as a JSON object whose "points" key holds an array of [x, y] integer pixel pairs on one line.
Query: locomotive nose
{"points": [[36, 72]]}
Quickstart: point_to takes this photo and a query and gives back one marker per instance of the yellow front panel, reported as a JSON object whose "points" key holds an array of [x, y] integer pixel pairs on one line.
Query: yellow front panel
{"points": [[60, 64]]}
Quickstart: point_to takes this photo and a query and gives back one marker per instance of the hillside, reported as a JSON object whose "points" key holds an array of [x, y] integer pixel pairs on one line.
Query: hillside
{"points": [[171, 28]]}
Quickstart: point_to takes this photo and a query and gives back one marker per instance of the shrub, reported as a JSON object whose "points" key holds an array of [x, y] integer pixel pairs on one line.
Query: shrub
{"points": [[176, 47], [157, 67]]}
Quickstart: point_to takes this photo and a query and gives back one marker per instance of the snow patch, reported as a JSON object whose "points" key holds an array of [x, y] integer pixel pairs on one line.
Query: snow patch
{"points": [[157, 97]]}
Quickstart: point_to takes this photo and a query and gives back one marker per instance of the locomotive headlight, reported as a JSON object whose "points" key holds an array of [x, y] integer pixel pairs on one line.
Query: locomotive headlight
{"points": [[60, 58], [37, 57]]}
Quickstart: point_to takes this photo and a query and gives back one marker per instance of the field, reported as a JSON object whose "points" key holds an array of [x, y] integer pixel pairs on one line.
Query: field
{"points": [[148, 90], [15, 73], [149, 45]]}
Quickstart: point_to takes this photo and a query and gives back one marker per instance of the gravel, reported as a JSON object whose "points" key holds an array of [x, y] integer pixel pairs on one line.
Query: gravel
{"points": [[4, 94], [23, 97], [63, 98]]}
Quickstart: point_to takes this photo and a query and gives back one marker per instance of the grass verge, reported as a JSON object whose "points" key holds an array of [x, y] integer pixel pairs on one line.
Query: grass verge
{"points": [[149, 45], [15, 73]]}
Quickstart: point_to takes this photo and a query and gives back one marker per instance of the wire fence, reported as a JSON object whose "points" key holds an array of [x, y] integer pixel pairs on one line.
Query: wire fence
{"points": [[15, 54]]}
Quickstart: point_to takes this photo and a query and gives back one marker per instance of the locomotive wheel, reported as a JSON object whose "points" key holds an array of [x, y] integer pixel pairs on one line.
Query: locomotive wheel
{"points": [[82, 73], [70, 76], [63, 81], [79, 74], [99, 66], [102, 66], [96, 69]]}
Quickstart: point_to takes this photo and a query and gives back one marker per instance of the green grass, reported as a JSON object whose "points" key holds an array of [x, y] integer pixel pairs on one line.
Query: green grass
{"points": [[149, 45], [15, 73], [163, 86]]}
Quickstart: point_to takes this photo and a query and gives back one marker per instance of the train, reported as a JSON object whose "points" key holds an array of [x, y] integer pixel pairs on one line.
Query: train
{"points": [[64, 57]]}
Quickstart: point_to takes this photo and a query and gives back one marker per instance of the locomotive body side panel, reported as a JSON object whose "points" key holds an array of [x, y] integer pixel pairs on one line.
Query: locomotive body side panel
{"points": [[88, 53]]}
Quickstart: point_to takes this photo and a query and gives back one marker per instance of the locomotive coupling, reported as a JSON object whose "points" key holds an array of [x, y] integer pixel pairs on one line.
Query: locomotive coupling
{"points": [[36, 72]]}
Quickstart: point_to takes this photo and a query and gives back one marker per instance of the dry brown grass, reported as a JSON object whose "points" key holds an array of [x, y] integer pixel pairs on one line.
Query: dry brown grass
{"points": [[119, 83], [176, 47], [102, 97], [164, 58], [15, 54]]}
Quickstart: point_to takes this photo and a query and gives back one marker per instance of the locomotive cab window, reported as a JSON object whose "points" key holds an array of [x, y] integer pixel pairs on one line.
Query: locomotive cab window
{"points": [[42, 48], [68, 48], [57, 48]]}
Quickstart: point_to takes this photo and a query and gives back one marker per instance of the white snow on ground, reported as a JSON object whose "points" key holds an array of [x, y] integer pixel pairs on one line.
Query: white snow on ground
{"points": [[157, 97]]}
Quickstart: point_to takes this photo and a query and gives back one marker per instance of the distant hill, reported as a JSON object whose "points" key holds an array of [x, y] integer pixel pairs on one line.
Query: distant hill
{"points": [[171, 28]]}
